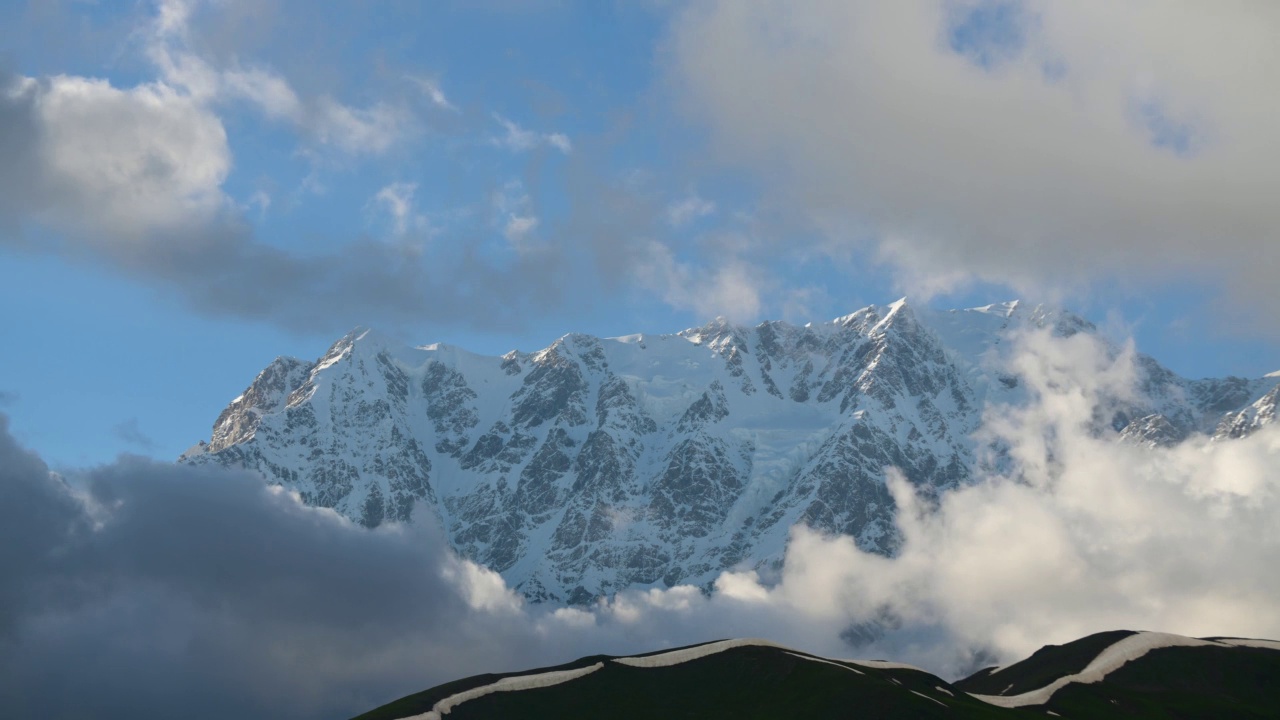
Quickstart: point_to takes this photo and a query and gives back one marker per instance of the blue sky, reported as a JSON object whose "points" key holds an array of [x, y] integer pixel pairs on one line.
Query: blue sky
{"points": [[197, 187]]}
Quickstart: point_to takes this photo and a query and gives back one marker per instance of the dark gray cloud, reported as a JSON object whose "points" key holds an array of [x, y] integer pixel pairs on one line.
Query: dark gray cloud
{"points": [[223, 269], [205, 594], [38, 519]]}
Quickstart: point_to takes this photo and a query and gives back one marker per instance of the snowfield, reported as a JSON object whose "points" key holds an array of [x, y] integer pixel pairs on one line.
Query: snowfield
{"points": [[509, 684]]}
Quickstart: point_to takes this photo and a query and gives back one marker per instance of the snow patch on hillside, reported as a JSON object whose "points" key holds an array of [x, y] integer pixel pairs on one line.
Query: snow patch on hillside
{"points": [[507, 684], [810, 658], [684, 655], [1109, 660]]}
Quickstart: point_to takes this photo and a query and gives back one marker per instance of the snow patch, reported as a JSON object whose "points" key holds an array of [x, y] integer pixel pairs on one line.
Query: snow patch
{"points": [[507, 684], [1110, 659], [1247, 642], [810, 658], [926, 697], [199, 448], [676, 657]]}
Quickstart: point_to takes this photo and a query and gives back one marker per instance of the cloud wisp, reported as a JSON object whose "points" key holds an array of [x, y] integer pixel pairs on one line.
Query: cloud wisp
{"points": [[139, 585], [518, 139]]}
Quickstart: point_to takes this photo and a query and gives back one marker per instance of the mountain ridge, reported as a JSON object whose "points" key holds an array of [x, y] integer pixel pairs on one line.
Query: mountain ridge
{"points": [[597, 464], [1111, 674]]}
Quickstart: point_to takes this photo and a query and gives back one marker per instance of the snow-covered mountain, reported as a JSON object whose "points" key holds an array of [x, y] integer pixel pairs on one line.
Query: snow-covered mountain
{"points": [[599, 464]]}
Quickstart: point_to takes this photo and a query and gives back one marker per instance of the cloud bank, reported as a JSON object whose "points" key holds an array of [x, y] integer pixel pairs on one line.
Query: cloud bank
{"points": [[137, 585], [1035, 143]]}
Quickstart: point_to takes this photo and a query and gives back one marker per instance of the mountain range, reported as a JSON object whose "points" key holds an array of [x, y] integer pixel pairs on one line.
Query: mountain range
{"points": [[600, 464], [1118, 674]]}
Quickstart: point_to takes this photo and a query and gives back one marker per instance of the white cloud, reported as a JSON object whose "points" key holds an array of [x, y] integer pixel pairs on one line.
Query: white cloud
{"points": [[515, 216], [483, 589], [372, 130], [172, 17], [323, 120], [128, 161], [397, 200], [270, 92], [518, 139], [432, 90], [1079, 140], [730, 287], [261, 200], [685, 211], [559, 141], [518, 228]]}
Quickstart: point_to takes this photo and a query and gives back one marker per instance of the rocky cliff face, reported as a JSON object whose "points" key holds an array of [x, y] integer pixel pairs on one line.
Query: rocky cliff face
{"points": [[599, 464]]}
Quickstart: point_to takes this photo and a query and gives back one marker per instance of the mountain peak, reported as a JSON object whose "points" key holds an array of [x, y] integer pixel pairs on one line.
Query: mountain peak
{"points": [[896, 313], [717, 329], [1003, 309]]}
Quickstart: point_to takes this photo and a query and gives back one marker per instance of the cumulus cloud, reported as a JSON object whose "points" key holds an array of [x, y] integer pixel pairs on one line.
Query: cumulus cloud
{"points": [[140, 585], [1031, 143], [111, 163]]}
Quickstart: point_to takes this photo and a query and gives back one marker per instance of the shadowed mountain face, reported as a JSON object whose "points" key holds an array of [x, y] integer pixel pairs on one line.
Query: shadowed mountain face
{"points": [[1110, 675], [596, 465]]}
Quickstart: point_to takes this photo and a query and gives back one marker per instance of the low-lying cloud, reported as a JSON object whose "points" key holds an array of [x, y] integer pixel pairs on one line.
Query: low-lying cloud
{"points": [[138, 586]]}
